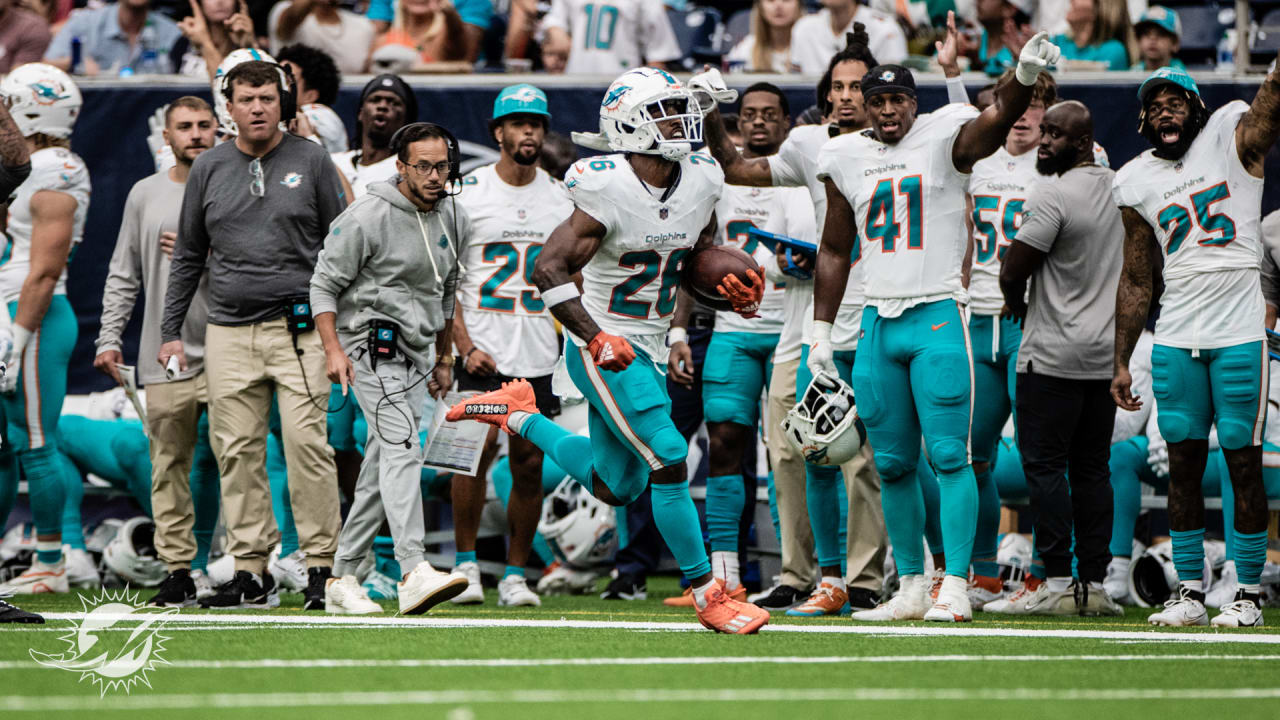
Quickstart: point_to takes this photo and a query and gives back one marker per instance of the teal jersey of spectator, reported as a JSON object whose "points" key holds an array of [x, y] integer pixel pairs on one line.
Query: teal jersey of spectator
{"points": [[994, 64], [102, 39], [1174, 63], [1111, 52], [472, 12]]}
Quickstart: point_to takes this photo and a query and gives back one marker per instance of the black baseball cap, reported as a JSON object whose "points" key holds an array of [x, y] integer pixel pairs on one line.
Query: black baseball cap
{"points": [[888, 79]]}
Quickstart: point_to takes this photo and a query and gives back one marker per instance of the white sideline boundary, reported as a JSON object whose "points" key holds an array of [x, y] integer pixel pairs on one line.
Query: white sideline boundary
{"points": [[176, 701], [281, 620]]}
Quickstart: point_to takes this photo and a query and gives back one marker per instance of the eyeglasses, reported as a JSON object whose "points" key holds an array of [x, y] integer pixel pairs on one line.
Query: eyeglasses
{"points": [[424, 169], [257, 186]]}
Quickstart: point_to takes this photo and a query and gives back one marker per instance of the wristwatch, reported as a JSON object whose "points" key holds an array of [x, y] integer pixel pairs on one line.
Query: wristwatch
{"points": [[444, 360]]}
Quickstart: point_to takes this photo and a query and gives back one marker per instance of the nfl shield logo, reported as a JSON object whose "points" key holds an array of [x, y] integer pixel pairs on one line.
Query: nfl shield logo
{"points": [[1010, 165], [662, 213], [1178, 167], [520, 213]]}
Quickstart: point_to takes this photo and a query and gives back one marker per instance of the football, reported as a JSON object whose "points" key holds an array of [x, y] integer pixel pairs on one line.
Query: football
{"points": [[706, 268]]}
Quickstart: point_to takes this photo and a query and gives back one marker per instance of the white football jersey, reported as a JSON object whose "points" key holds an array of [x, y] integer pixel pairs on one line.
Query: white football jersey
{"points": [[1205, 209], [611, 36], [740, 209], [362, 176], [502, 308], [908, 203], [58, 170], [796, 165], [1000, 185], [629, 286], [795, 221]]}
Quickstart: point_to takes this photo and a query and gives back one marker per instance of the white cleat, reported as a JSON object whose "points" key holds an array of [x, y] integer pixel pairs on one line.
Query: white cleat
{"points": [[474, 592], [980, 597], [39, 578], [1242, 612], [425, 587], [560, 579], [221, 571], [1012, 603], [513, 591], [1223, 591], [1116, 583], [204, 587], [1094, 601], [1043, 601], [910, 603], [289, 571], [952, 604], [1180, 611], [344, 596], [82, 572]]}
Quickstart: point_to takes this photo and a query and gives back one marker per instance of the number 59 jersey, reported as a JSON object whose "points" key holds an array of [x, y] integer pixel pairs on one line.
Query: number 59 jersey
{"points": [[908, 206], [1205, 209], [629, 286]]}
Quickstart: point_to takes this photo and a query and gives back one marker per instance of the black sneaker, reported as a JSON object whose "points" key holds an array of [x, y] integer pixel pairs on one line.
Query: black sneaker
{"points": [[313, 596], [178, 590], [244, 591], [781, 597], [625, 587], [863, 599], [12, 614]]}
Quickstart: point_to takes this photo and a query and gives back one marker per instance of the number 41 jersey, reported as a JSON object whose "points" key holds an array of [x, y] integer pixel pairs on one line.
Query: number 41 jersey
{"points": [[1205, 209], [629, 286]]}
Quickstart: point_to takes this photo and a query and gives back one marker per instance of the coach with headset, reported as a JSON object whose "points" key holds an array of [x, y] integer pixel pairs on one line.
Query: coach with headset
{"points": [[383, 293], [256, 212]]}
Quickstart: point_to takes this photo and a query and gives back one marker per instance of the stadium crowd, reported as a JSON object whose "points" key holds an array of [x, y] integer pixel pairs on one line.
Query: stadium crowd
{"points": [[290, 387]]}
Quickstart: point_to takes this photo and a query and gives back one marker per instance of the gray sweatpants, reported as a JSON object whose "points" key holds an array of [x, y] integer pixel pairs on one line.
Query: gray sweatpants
{"points": [[390, 476]]}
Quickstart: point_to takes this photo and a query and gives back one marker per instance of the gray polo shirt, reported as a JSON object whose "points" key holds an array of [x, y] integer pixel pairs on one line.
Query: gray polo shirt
{"points": [[102, 39], [1271, 258], [1070, 327]]}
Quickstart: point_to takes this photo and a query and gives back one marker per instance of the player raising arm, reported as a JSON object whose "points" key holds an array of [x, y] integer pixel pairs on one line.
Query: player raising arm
{"points": [[1196, 197]]}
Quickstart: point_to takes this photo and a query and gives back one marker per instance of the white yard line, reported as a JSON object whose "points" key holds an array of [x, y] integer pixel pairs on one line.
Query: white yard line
{"points": [[152, 701]]}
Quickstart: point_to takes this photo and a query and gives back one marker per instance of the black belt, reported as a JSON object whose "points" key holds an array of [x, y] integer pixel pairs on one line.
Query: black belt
{"points": [[700, 320]]}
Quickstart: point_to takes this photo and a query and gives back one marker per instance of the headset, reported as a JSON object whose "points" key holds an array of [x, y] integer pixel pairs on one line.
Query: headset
{"points": [[288, 98], [454, 153]]}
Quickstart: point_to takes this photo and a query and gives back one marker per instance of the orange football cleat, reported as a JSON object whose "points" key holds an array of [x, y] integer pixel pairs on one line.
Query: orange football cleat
{"points": [[723, 614], [495, 407]]}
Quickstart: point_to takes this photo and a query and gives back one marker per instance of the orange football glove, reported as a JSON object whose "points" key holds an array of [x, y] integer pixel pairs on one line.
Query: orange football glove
{"points": [[745, 300], [611, 352]]}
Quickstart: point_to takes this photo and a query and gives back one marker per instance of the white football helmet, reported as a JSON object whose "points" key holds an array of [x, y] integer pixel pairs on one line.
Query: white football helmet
{"points": [[131, 554], [824, 426], [581, 530], [42, 99], [329, 127], [234, 58], [1013, 557], [634, 105], [1153, 577]]}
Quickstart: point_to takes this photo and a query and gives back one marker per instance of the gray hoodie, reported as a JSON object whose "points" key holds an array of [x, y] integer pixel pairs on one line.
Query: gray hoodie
{"points": [[375, 265]]}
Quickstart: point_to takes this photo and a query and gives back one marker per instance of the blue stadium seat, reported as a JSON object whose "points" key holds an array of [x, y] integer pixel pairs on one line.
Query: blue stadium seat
{"points": [[700, 34]]}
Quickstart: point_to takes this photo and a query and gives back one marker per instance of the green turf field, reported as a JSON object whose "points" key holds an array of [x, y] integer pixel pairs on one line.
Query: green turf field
{"points": [[581, 657]]}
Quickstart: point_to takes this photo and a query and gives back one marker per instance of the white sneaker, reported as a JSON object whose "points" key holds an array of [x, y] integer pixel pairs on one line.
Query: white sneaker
{"points": [[204, 587], [952, 604], [980, 597], [344, 596], [910, 603], [1180, 611], [474, 592], [513, 591], [1239, 613], [1044, 601], [560, 579], [221, 571], [39, 578], [82, 572], [1097, 601], [1011, 604], [426, 587], [289, 571], [1223, 592], [1116, 583]]}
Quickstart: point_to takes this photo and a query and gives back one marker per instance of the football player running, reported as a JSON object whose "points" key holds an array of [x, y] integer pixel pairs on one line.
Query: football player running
{"points": [[501, 326], [1196, 197], [637, 215], [901, 186]]}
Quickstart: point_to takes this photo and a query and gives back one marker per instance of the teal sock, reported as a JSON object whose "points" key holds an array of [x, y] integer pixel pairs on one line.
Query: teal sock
{"points": [[1188, 554], [460, 557], [958, 491], [73, 483], [726, 498], [986, 537], [384, 554], [47, 490], [513, 570], [278, 477], [842, 542], [773, 510], [932, 505], [1251, 554], [904, 519], [571, 452], [1127, 458], [822, 499], [677, 520]]}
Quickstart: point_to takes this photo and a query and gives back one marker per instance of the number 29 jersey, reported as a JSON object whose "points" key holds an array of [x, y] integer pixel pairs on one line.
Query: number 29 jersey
{"points": [[1205, 209], [629, 286]]}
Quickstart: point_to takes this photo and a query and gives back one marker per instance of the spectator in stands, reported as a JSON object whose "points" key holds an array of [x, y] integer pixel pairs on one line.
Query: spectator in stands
{"points": [[114, 37], [582, 37], [210, 33], [768, 47], [425, 32], [475, 15], [1098, 31], [264, 184], [24, 36], [54, 12], [1159, 32], [1006, 27], [816, 38], [387, 104], [316, 80], [323, 24]]}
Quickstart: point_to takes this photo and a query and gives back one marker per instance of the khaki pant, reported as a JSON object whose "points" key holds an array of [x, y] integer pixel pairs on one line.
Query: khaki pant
{"points": [[173, 413], [245, 365], [866, 539], [799, 568]]}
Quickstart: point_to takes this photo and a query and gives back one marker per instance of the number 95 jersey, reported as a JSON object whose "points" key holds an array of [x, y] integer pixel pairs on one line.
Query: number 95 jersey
{"points": [[629, 286], [502, 309], [1205, 209]]}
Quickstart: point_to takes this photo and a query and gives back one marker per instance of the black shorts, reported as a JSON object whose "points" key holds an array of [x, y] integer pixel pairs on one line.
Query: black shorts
{"points": [[548, 402]]}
